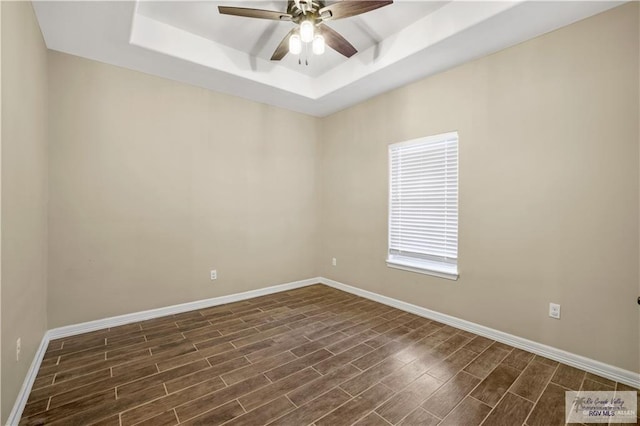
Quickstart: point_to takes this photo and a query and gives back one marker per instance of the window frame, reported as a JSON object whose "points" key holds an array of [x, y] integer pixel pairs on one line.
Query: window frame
{"points": [[429, 265]]}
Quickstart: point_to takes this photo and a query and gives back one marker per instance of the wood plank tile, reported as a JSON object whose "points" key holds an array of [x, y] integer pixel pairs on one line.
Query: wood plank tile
{"points": [[238, 343], [371, 359], [378, 341], [123, 351], [592, 385], [399, 333], [280, 322], [345, 357], [47, 367], [511, 410], [54, 345], [486, 361], [35, 407], [64, 386], [372, 419], [316, 388], [468, 334], [287, 344], [410, 372], [418, 322], [314, 409], [144, 361], [64, 411], [314, 354], [365, 325], [108, 409], [203, 404], [470, 412], [160, 378], [568, 377], [168, 418], [43, 381], [313, 346], [215, 326], [99, 386], [352, 341], [419, 417], [549, 411], [547, 361], [109, 421], [206, 374], [450, 394], [265, 413], [279, 388], [357, 407], [297, 365], [494, 386], [533, 380], [84, 365], [218, 415], [209, 341], [401, 404], [502, 346], [448, 368], [74, 378], [224, 354], [417, 334], [518, 359], [153, 408], [450, 345], [371, 376], [600, 379], [257, 368]]}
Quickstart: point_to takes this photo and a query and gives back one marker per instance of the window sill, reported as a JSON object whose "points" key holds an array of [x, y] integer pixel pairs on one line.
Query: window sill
{"points": [[449, 272]]}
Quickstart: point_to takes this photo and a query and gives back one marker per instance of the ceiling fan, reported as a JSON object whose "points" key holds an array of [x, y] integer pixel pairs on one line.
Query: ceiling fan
{"points": [[309, 17]]}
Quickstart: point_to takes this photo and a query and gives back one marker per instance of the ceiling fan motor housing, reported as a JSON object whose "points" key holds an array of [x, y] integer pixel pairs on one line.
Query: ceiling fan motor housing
{"points": [[302, 10]]}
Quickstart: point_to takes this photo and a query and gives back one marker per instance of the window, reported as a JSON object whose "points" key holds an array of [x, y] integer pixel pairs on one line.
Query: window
{"points": [[423, 205]]}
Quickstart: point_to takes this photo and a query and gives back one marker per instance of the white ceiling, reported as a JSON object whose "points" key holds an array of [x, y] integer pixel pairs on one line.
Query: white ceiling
{"points": [[260, 37], [192, 43]]}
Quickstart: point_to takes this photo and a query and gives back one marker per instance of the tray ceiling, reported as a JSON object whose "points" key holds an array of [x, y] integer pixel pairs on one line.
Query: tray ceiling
{"points": [[192, 43]]}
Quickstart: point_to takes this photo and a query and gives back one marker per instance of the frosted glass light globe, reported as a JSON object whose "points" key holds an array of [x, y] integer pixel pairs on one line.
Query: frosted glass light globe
{"points": [[306, 31]]}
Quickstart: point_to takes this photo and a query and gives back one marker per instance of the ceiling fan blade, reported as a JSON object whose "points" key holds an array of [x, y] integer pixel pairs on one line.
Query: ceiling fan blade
{"points": [[283, 48], [335, 41], [254, 13], [345, 9]]}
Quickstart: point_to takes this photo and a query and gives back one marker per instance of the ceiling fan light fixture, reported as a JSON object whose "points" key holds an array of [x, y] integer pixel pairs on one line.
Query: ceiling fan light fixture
{"points": [[318, 45], [309, 17], [295, 44], [306, 31]]}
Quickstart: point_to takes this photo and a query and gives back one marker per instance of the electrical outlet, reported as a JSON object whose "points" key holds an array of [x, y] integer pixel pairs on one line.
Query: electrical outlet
{"points": [[334, 262], [554, 310], [214, 274], [18, 348]]}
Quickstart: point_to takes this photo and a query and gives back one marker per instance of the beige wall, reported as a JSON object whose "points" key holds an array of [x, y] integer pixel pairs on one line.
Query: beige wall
{"points": [[548, 188], [24, 193], [153, 183]]}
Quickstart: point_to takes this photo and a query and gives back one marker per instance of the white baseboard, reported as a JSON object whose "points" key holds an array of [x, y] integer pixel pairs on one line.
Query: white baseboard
{"points": [[85, 327], [596, 367], [25, 390]]}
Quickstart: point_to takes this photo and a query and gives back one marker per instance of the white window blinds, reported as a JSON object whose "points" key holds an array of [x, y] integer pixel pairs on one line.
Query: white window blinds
{"points": [[423, 205]]}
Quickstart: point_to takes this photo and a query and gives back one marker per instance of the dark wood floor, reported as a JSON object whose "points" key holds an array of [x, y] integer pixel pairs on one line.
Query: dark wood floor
{"points": [[314, 355]]}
